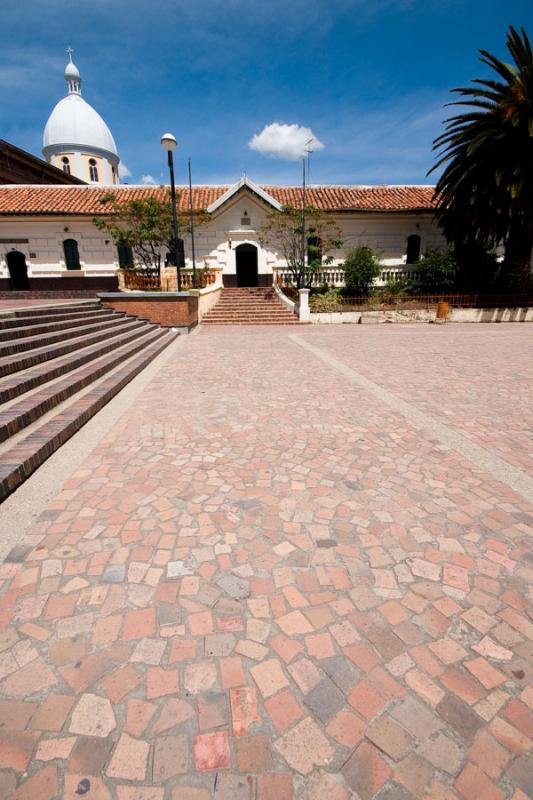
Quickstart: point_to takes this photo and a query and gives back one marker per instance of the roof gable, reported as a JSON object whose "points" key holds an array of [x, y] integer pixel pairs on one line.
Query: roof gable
{"points": [[242, 184]]}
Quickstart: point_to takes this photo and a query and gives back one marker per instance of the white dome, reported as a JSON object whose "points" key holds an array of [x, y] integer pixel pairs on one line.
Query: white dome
{"points": [[75, 122]]}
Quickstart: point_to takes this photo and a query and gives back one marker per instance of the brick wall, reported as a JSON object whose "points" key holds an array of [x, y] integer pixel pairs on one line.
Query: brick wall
{"points": [[179, 311]]}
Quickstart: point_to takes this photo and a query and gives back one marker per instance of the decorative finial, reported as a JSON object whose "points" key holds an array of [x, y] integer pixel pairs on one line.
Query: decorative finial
{"points": [[69, 53]]}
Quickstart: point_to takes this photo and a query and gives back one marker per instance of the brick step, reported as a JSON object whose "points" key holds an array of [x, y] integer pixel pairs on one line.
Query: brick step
{"points": [[8, 322], [18, 462], [19, 346], [250, 322], [24, 412], [52, 308], [9, 365], [25, 380], [59, 325]]}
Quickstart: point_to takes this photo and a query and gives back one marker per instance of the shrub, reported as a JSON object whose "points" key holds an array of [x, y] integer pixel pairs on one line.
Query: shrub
{"points": [[360, 269], [325, 301], [437, 271], [394, 291]]}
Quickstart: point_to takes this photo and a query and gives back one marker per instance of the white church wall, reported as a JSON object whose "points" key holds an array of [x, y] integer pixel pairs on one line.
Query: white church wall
{"points": [[216, 241]]}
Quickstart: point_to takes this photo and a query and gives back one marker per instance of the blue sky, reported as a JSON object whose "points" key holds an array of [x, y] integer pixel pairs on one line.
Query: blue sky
{"points": [[368, 77]]}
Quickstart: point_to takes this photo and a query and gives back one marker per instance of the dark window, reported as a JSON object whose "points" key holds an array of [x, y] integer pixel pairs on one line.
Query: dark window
{"points": [[93, 170], [171, 258], [66, 165], [314, 250], [125, 256], [413, 248], [72, 256]]}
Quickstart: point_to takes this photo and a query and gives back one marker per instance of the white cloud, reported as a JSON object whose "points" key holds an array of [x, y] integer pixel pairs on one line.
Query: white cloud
{"points": [[284, 141], [148, 180], [123, 171]]}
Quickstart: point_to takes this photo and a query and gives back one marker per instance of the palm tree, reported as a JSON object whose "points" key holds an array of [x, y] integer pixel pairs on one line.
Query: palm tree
{"points": [[485, 193]]}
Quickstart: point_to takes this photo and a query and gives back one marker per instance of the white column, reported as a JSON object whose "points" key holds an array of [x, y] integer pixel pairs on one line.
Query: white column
{"points": [[304, 313]]}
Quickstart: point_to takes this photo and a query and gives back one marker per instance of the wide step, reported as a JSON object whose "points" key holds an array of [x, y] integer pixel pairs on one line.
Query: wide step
{"points": [[58, 367], [249, 306]]}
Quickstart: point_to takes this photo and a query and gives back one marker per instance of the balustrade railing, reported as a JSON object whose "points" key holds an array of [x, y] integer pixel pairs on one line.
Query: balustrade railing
{"points": [[334, 276]]}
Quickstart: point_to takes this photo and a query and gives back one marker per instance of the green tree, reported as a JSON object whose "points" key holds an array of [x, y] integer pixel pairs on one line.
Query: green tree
{"points": [[436, 271], [485, 193], [360, 269], [304, 254], [144, 224]]}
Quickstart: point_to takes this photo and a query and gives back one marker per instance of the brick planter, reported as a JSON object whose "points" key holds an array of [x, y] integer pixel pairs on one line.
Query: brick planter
{"points": [[169, 309]]}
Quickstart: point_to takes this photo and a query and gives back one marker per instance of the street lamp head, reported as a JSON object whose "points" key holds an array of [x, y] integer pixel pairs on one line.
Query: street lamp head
{"points": [[169, 142]]}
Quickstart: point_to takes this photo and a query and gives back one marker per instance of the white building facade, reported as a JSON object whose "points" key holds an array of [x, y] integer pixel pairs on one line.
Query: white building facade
{"points": [[50, 230]]}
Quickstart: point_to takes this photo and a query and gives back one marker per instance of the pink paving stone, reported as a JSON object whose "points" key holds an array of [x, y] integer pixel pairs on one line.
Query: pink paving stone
{"points": [[211, 751], [174, 712], [138, 715], [50, 749], [485, 673], [305, 674], [346, 728], [304, 746], [43, 785], [294, 624], [201, 624], [456, 577], [16, 749], [73, 785], [129, 759], [93, 716], [160, 682], [232, 672], [269, 677], [32, 678], [320, 645], [199, 677], [140, 793], [284, 710], [183, 650], [285, 647], [244, 711], [139, 623]]}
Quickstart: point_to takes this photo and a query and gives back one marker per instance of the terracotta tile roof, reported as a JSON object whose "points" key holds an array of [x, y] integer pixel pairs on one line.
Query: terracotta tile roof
{"points": [[84, 200]]}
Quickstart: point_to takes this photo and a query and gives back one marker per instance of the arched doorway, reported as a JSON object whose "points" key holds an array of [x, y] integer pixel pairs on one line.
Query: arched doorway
{"points": [[18, 271], [246, 260]]}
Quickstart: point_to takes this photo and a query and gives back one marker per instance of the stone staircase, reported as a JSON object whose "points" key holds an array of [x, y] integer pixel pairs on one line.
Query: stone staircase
{"points": [[250, 306], [59, 365]]}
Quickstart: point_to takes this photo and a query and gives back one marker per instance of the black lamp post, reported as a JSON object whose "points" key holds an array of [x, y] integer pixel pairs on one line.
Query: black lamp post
{"points": [[169, 143]]}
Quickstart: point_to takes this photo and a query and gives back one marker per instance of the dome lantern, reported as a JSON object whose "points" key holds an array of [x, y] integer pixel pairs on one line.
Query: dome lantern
{"points": [[72, 75]]}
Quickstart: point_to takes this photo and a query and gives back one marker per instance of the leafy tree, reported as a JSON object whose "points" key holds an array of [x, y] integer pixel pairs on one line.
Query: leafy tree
{"points": [[360, 269], [304, 255], [485, 193], [436, 271], [145, 225]]}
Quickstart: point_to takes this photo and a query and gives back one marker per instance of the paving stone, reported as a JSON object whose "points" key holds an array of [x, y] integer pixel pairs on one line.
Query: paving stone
{"points": [[324, 700], [236, 587], [461, 718], [244, 711], [520, 774], [212, 710], [171, 757], [211, 751], [233, 787], [393, 791], [389, 737], [253, 754], [90, 755], [129, 760], [304, 746], [93, 716], [443, 753], [177, 569], [269, 677], [273, 785], [366, 771], [116, 573]]}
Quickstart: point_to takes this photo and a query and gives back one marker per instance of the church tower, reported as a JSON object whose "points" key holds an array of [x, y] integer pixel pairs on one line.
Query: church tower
{"points": [[76, 138]]}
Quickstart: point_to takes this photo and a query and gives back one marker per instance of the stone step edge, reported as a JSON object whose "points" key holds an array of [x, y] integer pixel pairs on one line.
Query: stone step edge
{"points": [[11, 335], [6, 323], [14, 419], [62, 365], [36, 311], [32, 358], [19, 346], [17, 464]]}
